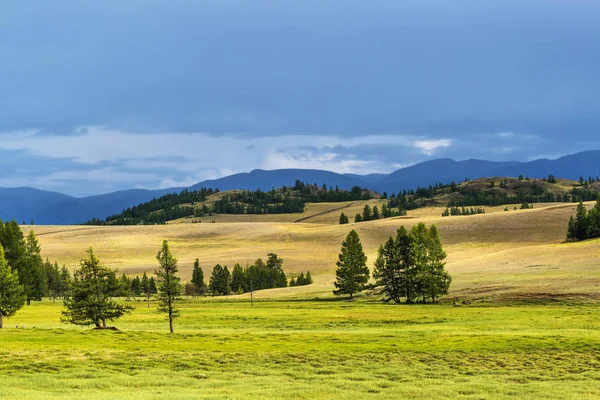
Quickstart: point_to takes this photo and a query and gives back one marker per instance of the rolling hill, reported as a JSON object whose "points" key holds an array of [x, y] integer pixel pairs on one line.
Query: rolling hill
{"points": [[25, 204]]}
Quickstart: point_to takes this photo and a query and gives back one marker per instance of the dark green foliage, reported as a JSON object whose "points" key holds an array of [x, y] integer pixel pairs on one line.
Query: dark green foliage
{"points": [[585, 225], [411, 266], [352, 273], [146, 289], [136, 286], [169, 285], [153, 288], [124, 287], [89, 301], [238, 279], [57, 280], [198, 278], [220, 281], [452, 211], [358, 218], [12, 295], [282, 201], [367, 214], [343, 219], [302, 280]]}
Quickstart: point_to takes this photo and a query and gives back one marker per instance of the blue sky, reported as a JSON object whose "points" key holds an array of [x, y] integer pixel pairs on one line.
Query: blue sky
{"points": [[98, 96]]}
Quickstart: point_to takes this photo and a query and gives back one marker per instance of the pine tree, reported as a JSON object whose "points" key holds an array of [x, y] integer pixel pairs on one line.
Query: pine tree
{"points": [[124, 288], [367, 213], [352, 273], [274, 265], [571, 235], [358, 218], [136, 286], [64, 281], [581, 222], [238, 279], [308, 279], [153, 288], [343, 219], [198, 278], [168, 283], [12, 295], [220, 281], [146, 288], [437, 281], [594, 220], [376, 214], [89, 301]]}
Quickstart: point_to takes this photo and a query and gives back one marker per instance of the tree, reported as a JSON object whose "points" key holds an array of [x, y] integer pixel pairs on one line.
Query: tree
{"points": [[343, 219], [308, 279], [274, 266], [124, 287], [352, 273], [12, 295], [33, 279], [238, 279], [189, 290], [376, 214], [581, 222], [198, 278], [367, 213], [89, 301], [220, 281], [594, 220], [65, 281], [169, 285], [136, 286], [358, 218], [153, 288], [437, 280], [146, 288]]}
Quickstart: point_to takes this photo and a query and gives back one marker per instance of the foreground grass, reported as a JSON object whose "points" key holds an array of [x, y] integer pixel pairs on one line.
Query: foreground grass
{"points": [[308, 350]]}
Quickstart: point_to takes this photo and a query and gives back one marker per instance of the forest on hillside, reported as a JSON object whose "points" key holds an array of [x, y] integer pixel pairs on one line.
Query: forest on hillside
{"points": [[195, 203]]}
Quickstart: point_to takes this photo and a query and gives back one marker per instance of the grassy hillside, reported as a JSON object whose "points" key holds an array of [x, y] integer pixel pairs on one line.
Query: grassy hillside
{"points": [[495, 255]]}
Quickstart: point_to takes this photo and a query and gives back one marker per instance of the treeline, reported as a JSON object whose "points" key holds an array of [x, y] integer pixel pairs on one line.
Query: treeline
{"points": [[275, 201], [585, 225], [452, 211], [158, 211], [371, 214], [525, 190], [409, 267]]}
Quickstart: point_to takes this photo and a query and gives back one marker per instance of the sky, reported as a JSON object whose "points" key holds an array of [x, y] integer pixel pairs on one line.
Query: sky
{"points": [[97, 96]]}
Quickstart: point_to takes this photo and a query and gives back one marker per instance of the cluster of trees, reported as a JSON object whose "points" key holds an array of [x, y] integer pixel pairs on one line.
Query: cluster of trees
{"points": [[158, 211], [410, 266], [585, 225], [22, 255], [302, 279], [260, 275], [370, 214], [462, 211], [186, 204], [134, 287]]}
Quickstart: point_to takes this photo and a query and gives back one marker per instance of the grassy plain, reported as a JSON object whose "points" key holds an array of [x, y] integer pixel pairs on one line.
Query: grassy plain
{"points": [[308, 350], [531, 330]]}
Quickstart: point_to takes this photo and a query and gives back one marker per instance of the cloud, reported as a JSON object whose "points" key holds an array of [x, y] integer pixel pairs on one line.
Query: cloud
{"points": [[428, 147]]}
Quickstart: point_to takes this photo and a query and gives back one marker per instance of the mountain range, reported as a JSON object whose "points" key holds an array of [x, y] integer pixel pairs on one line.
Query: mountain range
{"points": [[44, 207]]}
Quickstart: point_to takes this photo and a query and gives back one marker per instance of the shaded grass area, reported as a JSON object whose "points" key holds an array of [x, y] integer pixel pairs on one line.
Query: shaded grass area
{"points": [[308, 350]]}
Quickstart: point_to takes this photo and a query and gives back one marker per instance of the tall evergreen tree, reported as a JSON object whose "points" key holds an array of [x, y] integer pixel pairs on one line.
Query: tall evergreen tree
{"points": [[32, 275], [352, 273], [12, 295], [153, 288], [376, 214], [437, 280], [367, 214], [146, 288], [581, 222], [274, 265], [238, 279], [594, 220], [198, 278], [343, 219], [358, 218], [168, 283], [89, 301], [136, 286], [65, 281]]}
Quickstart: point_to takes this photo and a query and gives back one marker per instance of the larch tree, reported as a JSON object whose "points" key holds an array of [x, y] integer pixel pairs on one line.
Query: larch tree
{"points": [[169, 285], [12, 295], [352, 273], [90, 299]]}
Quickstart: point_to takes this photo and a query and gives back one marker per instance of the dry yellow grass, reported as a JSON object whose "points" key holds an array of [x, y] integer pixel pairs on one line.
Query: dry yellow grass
{"points": [[494, 254]]}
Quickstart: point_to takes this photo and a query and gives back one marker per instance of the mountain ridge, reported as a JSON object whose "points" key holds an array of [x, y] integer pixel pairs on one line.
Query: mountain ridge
{"points": [[47, 207]]}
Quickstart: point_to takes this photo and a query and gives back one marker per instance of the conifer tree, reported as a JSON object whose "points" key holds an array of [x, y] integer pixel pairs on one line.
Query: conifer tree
{"points": [[352, 273], [65, 281], [358, 218], [238, 279], [437, 280], [343, 219], [12, 295], [89, 301], [146, 288], [198, 278], [33, 279], [169, 285], [136, 286], [376, 214], [274, 266], [581, 222], [308, 279], [367, 213], [124, 286], [153, 288]]}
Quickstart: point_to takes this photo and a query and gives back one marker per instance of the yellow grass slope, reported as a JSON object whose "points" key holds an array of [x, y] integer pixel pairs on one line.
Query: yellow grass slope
{"points": [[499, 254]]}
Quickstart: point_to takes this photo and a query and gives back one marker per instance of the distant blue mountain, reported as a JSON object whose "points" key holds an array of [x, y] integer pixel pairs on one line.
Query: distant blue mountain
{"points": [[266, 180], [25, 204]]}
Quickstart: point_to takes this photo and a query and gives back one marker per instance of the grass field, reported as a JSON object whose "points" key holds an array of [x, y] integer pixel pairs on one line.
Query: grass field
{"points": [[531, 330], [308, 350], [498, 255]]}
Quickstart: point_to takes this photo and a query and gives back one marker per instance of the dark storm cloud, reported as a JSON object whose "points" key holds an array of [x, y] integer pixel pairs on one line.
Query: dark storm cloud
{"points": [[235, 70]]}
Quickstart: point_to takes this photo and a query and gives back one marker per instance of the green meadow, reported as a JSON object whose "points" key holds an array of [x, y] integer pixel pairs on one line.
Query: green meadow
{"points": [[285, 349]]}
